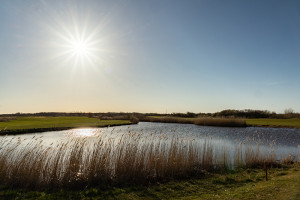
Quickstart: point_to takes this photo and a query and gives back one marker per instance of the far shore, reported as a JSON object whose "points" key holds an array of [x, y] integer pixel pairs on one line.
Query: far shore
{"points": [[40, 130], [24, 125]]}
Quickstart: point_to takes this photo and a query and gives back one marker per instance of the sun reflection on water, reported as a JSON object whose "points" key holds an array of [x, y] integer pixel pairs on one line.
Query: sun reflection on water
{"points": [[85, 132]]}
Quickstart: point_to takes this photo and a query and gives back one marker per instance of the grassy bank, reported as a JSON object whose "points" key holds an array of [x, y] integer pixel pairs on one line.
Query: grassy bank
{"points": [[292, 123], [39, 124], [283, 183]]}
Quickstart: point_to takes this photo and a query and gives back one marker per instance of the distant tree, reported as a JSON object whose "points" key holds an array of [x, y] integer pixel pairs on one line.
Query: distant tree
{"points": [[90, 115], [288, 111], [191, 115]]}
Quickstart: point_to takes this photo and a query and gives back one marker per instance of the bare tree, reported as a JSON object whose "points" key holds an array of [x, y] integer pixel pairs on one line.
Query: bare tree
{"points": [[288, 111]]}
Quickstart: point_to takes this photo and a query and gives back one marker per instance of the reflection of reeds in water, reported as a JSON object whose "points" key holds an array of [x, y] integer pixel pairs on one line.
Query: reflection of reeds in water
{"points": [[129, 158]]}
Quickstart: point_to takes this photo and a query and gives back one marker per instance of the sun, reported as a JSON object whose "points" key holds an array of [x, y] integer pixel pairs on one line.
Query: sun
{"points": [[80, 48], [76, 46], [77, 42]]}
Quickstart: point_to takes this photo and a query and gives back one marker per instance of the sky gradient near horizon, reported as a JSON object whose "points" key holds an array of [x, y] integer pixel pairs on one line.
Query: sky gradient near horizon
{"points": [[149, 56]]}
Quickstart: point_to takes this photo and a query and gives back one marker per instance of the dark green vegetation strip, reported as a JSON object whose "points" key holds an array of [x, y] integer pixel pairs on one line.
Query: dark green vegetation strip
{"points": [[283, 183], [39, 124], [293, 123]]}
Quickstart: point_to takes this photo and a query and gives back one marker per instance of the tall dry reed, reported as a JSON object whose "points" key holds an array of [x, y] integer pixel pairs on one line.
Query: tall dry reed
{"points": [[169, 120], [129, 158], [224, 122], [204, 121]]}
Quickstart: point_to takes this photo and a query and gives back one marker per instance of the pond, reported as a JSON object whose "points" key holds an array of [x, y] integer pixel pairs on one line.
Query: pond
{"points": [[283, 141], [140, 154]]}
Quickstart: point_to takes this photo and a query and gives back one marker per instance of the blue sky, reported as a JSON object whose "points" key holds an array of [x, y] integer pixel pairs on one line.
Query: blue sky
{"points": [[149, 56]]}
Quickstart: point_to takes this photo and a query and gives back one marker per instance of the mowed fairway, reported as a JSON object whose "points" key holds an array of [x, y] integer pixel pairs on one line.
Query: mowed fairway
{"points": [[295, 122], [57, 122]]}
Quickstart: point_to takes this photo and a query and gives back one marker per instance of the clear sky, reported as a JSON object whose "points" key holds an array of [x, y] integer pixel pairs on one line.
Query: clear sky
{"points": [[149, 56]]}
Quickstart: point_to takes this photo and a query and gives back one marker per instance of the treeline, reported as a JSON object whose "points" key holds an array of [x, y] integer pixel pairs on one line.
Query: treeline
{"points": [[248, 113], [229, 113], [120, 115]]}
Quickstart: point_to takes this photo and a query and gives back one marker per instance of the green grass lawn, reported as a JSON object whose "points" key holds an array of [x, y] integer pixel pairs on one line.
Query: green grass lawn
{"points": [[275, 122], [283, 183], [57, 122]]}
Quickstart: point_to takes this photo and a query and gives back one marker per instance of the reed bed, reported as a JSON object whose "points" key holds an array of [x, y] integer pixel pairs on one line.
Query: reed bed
{"points": [[224, 122], [169, 120], [113, 159], [204, 121]]}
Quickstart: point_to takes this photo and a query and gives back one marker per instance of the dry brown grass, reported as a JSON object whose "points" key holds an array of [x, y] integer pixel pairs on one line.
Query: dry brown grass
{"points": [[255, 158], [204, 121], [129, 158], [224, 122], [169, 120]]}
